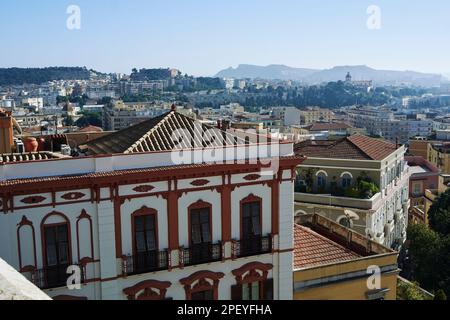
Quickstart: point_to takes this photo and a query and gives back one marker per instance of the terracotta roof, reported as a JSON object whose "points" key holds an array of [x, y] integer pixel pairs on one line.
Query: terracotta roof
{"points": [[312, 250], [156, 135], [374, 148], [328, 126], [201, 168], [356, 147], [33, 156]]}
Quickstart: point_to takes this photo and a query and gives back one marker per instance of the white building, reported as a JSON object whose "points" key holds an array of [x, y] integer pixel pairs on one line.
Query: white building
{"points": [[141, 227]]}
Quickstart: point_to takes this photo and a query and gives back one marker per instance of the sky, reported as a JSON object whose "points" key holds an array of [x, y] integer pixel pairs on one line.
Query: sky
{"points": [[201, 37]]}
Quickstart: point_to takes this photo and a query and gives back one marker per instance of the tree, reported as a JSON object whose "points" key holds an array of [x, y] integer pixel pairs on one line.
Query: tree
{"points": [[89, 119], [424, 254], [439, 214]]}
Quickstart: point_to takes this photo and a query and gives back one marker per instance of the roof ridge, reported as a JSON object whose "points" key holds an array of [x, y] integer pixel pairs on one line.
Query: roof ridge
{"points": [[359, 148], [149, 132]]}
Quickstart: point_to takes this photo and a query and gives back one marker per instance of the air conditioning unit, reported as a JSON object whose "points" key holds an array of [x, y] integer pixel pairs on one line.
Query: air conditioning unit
{"points": [[65, 150], [20, 147]]}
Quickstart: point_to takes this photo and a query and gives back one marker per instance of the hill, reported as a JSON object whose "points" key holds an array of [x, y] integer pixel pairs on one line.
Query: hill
{"points": [[311, 76], [20, 76]]}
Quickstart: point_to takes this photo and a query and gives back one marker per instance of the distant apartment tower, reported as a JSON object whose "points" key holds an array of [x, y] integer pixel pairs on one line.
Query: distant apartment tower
{"points": [[315, 114]]}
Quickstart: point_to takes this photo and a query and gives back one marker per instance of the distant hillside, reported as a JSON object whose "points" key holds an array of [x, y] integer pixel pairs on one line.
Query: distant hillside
{"points": [[275, 72], [19, 76], [380, 77]]}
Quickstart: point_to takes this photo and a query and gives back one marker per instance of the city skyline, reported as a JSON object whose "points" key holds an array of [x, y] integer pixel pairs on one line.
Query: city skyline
{"points": [[202, 38]]}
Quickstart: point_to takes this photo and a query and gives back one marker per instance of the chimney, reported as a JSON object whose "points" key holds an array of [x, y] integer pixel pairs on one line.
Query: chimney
{"points": [[174, 107], [219, 124], [6, 132]]}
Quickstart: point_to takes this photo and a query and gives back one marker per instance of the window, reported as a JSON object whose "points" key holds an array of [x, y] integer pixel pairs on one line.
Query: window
{"points": [[251, 220], [201, 249], [417, 188], [251, 291], [145, 233], [200, 226], [346, 181], [203, 295], [57, 254], [146, 246], [57, 245], [321, 181]]}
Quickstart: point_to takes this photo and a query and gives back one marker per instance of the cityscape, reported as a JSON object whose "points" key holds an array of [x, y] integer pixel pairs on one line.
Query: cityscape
{"points": [[255, 182]]}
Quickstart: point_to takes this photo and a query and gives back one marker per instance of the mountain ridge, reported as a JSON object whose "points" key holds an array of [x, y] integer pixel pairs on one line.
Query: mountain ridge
{"points": [[315, 76]]}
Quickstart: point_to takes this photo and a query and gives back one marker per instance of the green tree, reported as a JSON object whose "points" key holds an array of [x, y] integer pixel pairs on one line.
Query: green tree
{"points": [[439, 214], [89, 119], [424, 247], [68, 121]]}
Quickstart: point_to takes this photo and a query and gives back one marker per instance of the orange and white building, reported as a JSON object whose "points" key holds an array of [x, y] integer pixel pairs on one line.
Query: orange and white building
{"points": [[217, 225]]}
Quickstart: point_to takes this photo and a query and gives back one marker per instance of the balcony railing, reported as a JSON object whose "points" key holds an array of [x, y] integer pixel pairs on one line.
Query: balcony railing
{"points": [[53, 277], [202, 253], [145, 262], [252, 246]]}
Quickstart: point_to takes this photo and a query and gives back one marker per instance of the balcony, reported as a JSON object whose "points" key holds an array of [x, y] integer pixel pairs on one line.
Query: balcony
{"points": [[202, 253], [52, 277], [252, 246], [145, 262]]}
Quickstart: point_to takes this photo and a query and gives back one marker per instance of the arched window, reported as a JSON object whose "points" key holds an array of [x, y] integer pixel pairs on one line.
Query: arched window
{"points": [[346, 180], [321, 180], [56, 247]]}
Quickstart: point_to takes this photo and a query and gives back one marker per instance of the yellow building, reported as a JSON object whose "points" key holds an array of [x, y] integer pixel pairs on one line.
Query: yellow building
{"points": [[315, 114], [439, 155], [342, 268]]}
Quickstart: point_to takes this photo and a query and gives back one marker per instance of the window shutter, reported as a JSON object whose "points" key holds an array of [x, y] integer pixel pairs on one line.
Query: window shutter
{"points": [[236, 292], [268, 289]]}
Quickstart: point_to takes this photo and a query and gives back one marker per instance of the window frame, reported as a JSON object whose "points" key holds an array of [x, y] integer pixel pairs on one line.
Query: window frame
{"points": [[249, 200], [144, 211]]}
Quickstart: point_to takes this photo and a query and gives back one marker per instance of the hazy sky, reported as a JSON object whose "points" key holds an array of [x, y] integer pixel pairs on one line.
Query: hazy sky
{"points": [[201, 37]]}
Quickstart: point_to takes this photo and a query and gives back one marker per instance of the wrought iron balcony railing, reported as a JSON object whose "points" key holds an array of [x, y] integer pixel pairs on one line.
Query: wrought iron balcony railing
{"points": [[202, 253], [53, 276], [252, 246], [145, 262]]}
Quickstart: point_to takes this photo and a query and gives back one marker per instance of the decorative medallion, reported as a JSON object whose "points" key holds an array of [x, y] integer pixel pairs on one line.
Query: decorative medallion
{"points": [[73, 196], [252, 177], [144, 188], [33, 200], [200, 182]]}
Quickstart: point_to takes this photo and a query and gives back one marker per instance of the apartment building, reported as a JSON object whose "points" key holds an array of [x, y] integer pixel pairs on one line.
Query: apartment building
{"points": [[141, 226], [332, 262], [123, 115], [383, 122], [425, 183], [358, 182], [311, 115]]}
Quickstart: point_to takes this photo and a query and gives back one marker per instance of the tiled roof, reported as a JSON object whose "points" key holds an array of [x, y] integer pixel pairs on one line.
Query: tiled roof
{"points": [[156, 135], [201, 167], [356, 147], [374, 148], [33, 156], [328, 126], [312, 250]]}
